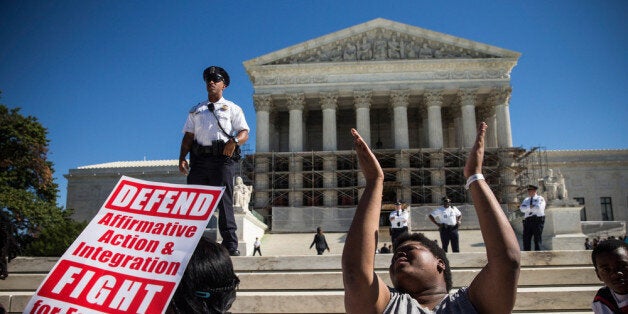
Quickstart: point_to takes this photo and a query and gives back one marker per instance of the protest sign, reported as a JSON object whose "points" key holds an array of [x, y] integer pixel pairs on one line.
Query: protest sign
{"points": [[132, 255]]}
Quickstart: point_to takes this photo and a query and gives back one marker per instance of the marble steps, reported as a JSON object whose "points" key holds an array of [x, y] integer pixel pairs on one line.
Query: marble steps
{"points": [[550, 281]]}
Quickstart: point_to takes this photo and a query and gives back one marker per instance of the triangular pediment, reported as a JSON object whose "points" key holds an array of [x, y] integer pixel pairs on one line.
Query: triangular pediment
{"points": [[382, 40]]}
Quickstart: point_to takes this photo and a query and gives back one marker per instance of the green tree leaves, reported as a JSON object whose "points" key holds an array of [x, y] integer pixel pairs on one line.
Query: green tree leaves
{"points": [[27, 190]]}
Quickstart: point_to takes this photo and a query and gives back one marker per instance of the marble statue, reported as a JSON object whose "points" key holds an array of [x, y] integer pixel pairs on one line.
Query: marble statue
{"points": [[561, 188], [350, 52], [550, 184], [364, 52], [242, 194]]}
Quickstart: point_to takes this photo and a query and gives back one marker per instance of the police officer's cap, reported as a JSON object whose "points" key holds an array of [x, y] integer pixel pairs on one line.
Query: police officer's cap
{"points": [[446, 200], [398, 202], [532, 187], [214, 72]]}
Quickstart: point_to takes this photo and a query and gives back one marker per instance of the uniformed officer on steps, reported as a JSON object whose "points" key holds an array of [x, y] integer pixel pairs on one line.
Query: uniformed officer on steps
{"points": [[213, 132], [398, 221], [447, 218], [533, 207]]}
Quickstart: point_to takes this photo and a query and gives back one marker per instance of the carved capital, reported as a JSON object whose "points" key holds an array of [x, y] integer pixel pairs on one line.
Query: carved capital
{"points": [[500, 96], [399, 98], [486, 112], [467, 96], [433, 97], [262, 102], [329, 101], [362, 99], [296, 101]]}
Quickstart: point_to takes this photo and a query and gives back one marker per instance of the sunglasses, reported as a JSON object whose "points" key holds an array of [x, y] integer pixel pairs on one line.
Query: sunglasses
{"points": [[214, 77]]}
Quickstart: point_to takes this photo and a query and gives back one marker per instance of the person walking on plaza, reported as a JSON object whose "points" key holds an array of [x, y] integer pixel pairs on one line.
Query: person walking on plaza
{"points": [[213, 132], [419, 269], [320, 242], [533, 208], [447, 218], [257, 247], [398, 221]]}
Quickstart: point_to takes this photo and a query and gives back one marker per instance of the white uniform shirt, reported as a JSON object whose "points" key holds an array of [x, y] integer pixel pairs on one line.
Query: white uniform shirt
{"points": [[257, 244], [537, 208], [203, 124], [398, 219], [448, 216]]}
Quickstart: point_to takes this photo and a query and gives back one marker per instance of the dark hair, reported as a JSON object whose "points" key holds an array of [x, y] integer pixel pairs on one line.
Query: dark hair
{"points": [[607, 246], [432, 246], [209, 283]]}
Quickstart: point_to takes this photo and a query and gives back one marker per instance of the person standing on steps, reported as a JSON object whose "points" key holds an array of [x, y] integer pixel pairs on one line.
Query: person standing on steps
{"points": [[213, 133]]}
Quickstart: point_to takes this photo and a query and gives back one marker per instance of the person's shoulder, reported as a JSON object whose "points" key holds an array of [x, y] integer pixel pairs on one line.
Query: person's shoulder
{"points": [[196, 107], [228, 103]]}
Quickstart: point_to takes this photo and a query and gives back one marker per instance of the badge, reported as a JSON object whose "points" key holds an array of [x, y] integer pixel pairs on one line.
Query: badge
{"points": [[225, 107]]}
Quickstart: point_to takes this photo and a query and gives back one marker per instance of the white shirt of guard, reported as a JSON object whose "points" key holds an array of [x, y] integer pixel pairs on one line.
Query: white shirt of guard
{"points": [[202, 123], [537, 208], [399, 218], [448, 216]]}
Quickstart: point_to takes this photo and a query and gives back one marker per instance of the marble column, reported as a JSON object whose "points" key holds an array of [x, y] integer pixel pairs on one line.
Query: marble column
{"points": [[362, 114], [330, 182], [487, 114], [452, 127], [296, 103], [262, 105], [329, 104], [296, 181], [423, 129], [501, 98], [434, 102], [467, 99], [399, 102]]}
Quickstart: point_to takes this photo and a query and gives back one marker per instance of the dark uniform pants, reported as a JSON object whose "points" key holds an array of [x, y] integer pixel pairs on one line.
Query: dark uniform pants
{"points": [[533, 228], [218, 171], [449, 234]]}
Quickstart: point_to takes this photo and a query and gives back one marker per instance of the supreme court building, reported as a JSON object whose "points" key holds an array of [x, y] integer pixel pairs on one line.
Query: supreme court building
{"points": [[415, 95]]}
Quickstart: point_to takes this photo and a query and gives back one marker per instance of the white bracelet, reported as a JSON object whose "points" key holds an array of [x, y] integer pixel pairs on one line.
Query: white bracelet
{"points": [[473, 178]]}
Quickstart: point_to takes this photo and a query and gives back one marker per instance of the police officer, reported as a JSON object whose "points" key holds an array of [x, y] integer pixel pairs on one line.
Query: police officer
{"points": [[447, 218], [213, 131], [533, 208], [398, 221]]}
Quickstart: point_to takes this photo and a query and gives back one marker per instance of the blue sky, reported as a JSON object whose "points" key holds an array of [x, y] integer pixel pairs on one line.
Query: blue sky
{"points": [[113, 80]]}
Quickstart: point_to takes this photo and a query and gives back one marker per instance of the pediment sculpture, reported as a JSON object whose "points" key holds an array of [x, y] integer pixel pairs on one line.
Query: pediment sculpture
{"points": [[381, 44]]}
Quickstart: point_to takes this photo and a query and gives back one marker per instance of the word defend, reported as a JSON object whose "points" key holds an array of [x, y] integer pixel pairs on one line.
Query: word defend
{"points": [[132, 255], [161, 201]]}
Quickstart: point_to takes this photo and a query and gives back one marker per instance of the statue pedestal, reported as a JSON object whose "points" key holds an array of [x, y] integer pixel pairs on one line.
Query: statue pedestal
{"points": [[249, 228], [563, 230]]}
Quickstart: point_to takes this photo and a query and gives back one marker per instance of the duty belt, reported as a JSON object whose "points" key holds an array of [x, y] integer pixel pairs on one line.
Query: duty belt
{"points": [[203, 150]]}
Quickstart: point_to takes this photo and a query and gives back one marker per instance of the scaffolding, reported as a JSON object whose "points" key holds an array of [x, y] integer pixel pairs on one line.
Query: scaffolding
{"points": [[417, 176]]}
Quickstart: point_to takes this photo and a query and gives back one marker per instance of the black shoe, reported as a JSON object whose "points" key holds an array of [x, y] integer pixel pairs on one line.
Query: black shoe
{"points": [[234, 253]]}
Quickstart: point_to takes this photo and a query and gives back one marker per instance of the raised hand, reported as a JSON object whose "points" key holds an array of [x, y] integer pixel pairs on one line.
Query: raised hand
{"points": [[368, 163], [476, 155]]}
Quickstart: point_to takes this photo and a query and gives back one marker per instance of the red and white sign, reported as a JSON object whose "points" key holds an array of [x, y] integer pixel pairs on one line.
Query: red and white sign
{"points": [[132, 255]]}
